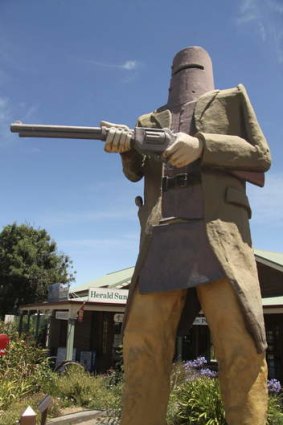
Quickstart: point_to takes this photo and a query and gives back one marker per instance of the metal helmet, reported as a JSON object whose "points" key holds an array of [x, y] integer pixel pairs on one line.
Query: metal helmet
{"points": [[192, 76]]}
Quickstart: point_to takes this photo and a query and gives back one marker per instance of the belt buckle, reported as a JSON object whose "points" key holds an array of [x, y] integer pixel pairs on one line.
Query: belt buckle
{"points": [[182, 180]]}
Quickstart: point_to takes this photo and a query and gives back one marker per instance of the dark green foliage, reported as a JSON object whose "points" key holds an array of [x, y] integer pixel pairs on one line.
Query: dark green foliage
{"points": [[198, 402], [29, 263], [275, 410], [195, 398]]}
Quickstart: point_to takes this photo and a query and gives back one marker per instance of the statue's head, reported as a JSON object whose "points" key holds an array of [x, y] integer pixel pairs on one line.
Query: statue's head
{"points": [[192, 76]]}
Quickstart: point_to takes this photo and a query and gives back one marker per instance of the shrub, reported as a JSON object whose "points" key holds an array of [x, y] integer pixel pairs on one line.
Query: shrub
{"points": [[274, 414], [24, 370], [27, 365], [195, 397], [78, 387]]}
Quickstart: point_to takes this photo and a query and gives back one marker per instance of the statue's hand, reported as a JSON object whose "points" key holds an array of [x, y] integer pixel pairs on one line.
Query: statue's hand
{"points": [[183, 151], [118, 137]]}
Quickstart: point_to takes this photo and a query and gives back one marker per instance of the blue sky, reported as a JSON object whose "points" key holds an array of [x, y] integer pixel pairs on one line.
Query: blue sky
{"points": [[77, 62]]}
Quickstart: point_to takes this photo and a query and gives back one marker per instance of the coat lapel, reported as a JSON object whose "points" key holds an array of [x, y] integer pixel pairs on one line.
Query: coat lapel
{"points": [[163, 118], [201, 106]]}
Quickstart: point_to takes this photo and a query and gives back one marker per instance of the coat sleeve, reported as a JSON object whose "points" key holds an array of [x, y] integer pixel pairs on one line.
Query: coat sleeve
{"points": [[231, 135], [133, 161]]}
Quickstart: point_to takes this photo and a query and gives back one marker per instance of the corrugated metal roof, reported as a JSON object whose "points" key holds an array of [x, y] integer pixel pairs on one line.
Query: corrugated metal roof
{"points": [[117, 279], [269, 258]]}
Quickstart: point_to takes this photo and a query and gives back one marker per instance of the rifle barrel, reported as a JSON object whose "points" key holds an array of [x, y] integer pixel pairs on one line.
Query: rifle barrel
{"points": [[58, 131]]}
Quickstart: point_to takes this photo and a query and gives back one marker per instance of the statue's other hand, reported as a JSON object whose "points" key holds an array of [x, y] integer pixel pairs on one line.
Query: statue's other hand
{"points": [[185, 150], [118, 137]]}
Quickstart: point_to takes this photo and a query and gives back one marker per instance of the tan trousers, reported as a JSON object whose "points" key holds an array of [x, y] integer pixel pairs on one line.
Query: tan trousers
{"points": [[149, 345]]}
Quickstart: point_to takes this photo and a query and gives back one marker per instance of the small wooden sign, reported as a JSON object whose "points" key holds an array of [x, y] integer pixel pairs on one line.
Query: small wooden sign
{"points": [[43, 406]]}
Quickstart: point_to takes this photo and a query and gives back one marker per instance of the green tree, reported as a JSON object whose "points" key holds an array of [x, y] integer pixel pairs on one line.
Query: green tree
{"points": [[29, 263]]}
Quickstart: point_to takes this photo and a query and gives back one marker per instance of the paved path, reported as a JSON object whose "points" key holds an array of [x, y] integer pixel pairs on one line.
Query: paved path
{"points": [[88, 417]]}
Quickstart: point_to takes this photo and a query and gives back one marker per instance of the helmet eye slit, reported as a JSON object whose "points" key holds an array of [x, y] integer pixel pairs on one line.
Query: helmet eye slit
{"points": [[192, 65]]}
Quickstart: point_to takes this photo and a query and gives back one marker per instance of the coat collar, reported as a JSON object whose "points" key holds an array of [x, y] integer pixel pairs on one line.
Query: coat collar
{"points": [[160, 119], [163, 118]]}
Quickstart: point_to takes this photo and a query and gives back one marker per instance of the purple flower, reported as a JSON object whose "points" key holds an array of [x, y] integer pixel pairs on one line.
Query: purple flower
{"points": [[196, 369], [208, 373], [273, 386], [195, 364]]}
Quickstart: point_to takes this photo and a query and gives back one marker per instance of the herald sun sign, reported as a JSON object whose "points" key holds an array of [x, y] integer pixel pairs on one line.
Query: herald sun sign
{"points": [[4, 342]]}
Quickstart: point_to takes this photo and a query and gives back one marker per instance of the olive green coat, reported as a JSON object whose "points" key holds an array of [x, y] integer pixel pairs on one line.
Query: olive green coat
{"points": [[233, 140]]}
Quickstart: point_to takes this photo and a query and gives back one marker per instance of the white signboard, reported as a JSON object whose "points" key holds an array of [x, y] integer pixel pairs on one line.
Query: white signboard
{"points": [[108, 295], [9, 318], [62, 315]]}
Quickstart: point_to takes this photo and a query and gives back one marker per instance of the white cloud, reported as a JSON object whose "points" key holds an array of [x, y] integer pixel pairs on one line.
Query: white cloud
{"points": [[265, 17], [276, 6], [267, 203], [129, 65], [248, 11], [9, 113]]}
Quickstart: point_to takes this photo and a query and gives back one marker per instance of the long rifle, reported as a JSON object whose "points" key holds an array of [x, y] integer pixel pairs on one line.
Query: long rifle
{"points": [[147, 141]]}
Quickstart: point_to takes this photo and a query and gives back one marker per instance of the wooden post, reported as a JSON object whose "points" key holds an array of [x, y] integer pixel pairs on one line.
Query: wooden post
{"points": [[28, 417], [28, 322], [37, 326], [21, 323], [70, 339], [49, 318]]}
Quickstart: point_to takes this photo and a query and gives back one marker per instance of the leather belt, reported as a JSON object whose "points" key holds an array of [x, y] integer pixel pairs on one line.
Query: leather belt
{"points": [[179, 181]]}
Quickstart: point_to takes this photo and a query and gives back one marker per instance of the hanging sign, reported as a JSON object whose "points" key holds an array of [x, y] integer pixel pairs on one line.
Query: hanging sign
{"points": [[80, 315], [62, 315]]}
